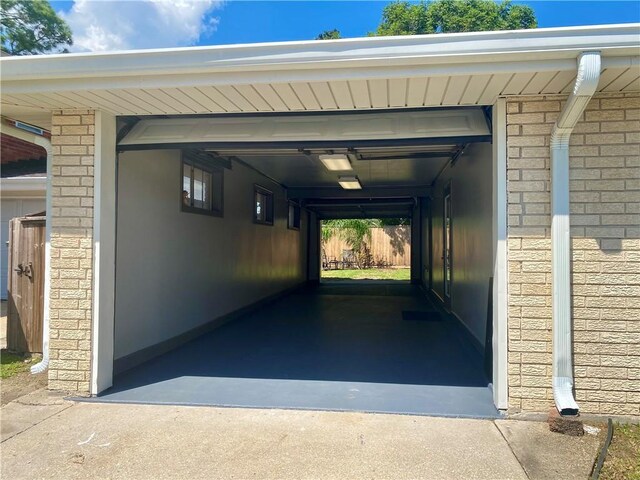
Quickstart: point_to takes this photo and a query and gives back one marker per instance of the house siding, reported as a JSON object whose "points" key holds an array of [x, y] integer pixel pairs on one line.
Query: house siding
{"points": [[605, 240], [73, 138]]}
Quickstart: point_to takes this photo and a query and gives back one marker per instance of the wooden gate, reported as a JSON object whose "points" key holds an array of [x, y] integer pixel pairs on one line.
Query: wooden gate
{"points": [[25, 309]]}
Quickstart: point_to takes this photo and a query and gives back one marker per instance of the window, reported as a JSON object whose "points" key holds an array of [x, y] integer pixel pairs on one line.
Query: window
{"points": [[294, 216], [263, 205], [202, 187]]}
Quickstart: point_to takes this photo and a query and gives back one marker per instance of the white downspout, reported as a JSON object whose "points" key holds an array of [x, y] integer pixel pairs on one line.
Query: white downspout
{"points": [[46, 144], [584, 88], [44, 363]]}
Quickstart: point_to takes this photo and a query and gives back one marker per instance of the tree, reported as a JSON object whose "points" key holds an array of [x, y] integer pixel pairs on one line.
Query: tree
{"points": [[446, 16], [31, 27], [355, 232], [329, 35]]}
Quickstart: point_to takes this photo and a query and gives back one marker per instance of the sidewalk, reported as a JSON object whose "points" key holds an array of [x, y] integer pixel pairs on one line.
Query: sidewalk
{"points": [[45, 436]]}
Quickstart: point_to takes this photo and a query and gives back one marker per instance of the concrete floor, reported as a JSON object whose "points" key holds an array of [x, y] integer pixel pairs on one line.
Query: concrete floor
{"points": [[359, 347], [45, 436]]}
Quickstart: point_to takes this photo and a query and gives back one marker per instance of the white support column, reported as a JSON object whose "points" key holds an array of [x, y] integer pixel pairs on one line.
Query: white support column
{"points": [[104, 246], [500, 270]]}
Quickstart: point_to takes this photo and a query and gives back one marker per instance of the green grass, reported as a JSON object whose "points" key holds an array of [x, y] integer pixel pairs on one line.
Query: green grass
{"points": [[12, 363], [623, 457], [369, 274]]}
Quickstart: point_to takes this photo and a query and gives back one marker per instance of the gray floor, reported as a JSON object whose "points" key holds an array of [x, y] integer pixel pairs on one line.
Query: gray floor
{"points": [[364, 347]]}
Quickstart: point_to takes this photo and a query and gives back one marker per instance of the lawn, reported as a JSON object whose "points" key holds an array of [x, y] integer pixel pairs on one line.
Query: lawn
{"points": [[368, 274], [623, 457], [11, 364]]}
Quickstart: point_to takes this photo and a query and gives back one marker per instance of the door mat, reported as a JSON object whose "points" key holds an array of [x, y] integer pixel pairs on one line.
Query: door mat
{"points": [[421, 316]]}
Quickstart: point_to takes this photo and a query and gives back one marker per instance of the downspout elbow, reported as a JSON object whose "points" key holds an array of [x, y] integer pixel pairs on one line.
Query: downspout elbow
{"points": [[586, 84]]}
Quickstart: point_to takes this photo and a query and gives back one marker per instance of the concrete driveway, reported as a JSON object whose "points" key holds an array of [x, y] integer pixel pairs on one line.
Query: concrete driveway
{"points": [[45, 436]]}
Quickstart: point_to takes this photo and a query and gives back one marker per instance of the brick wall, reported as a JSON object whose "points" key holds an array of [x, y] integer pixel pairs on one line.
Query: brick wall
{"points": [[605, 237], [71, 250], [13, 149]]}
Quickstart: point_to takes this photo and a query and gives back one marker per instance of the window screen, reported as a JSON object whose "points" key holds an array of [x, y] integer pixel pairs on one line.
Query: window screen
{"points": [[263, 205], [202, 188]]}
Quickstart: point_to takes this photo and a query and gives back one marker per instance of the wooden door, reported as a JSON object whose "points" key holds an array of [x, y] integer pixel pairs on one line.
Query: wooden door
{"points": [[25, 309]]}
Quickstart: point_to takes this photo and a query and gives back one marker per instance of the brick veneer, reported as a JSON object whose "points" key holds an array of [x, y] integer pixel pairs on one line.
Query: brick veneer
{"points": [[605, 237], [605, 204], [72, 141]]}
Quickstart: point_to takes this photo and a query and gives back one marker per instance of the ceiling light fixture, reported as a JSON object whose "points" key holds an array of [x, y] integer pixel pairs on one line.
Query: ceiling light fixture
{"points": [[336, 162], [350, 183]]}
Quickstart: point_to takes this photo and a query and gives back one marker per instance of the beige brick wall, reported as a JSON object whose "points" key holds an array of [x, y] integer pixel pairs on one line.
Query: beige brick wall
{"points": [[605, 231], [72, 139]]}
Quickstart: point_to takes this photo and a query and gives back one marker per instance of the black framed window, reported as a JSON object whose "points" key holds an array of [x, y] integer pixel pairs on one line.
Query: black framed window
{"points": [[262, 205], [294, 216], [202, 187]]}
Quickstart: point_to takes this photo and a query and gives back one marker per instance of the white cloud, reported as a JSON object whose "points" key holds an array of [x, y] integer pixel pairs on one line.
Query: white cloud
{"points": [[107, 25]]}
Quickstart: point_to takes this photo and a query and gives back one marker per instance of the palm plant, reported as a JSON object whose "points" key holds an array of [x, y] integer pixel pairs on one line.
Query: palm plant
{"points": [[354, 232]]}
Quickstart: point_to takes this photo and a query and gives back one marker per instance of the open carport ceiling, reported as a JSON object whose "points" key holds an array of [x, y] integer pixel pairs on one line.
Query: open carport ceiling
{"points": [[401, 149], [361, 208]]}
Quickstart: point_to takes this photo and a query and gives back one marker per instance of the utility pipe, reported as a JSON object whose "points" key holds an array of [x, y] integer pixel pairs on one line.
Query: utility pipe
{"points": [[584, 88]]}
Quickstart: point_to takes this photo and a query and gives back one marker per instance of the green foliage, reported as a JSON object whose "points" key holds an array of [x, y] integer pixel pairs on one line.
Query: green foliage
{"points": [[31, 27], [354, 232], [369, 274], [329, 35], [13, 363], [447, 16], [623, 457]]}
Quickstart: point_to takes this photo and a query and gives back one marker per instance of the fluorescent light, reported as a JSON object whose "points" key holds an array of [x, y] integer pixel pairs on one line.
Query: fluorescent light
{"points": [[350, 183], [336, 162]]}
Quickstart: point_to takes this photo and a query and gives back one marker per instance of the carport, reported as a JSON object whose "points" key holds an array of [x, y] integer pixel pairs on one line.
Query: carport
{"points": [[284, 340], [468, 134]]}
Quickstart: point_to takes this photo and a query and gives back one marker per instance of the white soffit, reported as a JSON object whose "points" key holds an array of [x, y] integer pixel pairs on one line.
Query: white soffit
{"points": [[440, 123], [461, 69]]}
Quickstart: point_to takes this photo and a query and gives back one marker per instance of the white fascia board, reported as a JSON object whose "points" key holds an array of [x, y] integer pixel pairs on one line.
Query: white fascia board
{"points": [[285, 73], [28, 185], [273, 59]]}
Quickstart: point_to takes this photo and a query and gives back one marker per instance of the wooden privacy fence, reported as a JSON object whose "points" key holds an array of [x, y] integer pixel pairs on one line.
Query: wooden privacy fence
{"points": [[25, 309], [391, 244]]}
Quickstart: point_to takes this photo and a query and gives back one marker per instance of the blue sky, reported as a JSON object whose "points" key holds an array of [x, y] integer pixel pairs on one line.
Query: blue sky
{"points": [[108, 25], [273, 21]]}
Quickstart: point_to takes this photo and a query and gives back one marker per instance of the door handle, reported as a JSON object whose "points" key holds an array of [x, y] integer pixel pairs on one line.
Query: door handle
{"points": [[27, 270]]}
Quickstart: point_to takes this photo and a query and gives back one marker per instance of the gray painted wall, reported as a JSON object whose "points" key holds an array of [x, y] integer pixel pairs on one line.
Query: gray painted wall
{"points": [[471, 196], [176, 271]]}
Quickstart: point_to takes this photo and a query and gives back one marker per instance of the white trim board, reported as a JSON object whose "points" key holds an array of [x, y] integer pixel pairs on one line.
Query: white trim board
{"points": [[500, 275]]}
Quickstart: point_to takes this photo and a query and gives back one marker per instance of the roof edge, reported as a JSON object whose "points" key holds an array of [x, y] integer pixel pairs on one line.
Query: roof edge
{"points": [[459, 47]]}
